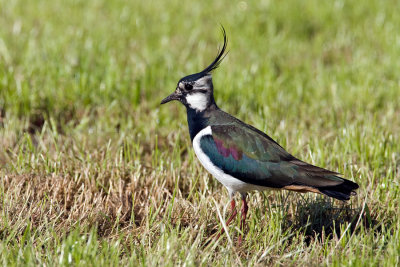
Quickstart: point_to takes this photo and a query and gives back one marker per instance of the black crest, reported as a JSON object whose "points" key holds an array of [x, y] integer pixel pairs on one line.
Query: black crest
{"points": [[221, 55]]}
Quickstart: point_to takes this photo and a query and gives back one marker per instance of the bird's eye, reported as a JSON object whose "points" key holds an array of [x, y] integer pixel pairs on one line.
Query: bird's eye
{"points": [[188, 86]]}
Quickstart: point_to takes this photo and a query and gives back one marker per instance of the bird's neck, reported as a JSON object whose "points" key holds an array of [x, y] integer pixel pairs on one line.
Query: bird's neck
{"points": [[198, 120]]}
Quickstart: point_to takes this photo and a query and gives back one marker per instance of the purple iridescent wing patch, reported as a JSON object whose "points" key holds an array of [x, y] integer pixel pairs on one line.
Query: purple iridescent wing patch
{"points": [[226, 151]]}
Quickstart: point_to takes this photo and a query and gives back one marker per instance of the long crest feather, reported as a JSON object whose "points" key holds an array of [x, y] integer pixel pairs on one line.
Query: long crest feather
{"points": [[221, 55]]}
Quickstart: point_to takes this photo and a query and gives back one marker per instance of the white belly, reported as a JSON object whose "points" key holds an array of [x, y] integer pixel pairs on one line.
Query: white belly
{"points": [[231, 183]]}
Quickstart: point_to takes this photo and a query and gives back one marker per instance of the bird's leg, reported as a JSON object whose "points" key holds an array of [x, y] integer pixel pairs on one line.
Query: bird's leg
{"points": [[233, 215], [233, 210], [245, 208]]}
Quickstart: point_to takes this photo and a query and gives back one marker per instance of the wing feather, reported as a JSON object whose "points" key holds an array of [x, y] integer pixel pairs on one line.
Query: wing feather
{"points": [[255, 158]]}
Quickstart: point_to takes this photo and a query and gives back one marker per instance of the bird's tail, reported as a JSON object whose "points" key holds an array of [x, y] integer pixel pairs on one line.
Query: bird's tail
{"points": [[341, 191]]}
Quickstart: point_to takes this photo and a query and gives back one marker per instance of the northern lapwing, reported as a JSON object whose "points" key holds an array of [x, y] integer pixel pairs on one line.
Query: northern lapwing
{"points": [[242, 157]]}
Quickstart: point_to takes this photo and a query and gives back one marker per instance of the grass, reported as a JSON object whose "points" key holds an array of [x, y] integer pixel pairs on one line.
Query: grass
{"points": [[95, 172]]}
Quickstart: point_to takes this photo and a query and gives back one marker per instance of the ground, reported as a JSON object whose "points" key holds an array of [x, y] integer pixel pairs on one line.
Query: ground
{"points": [[94, 171]]}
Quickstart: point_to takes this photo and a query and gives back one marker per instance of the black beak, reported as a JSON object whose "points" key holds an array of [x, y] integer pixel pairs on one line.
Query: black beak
{"points": [[169, 98]]}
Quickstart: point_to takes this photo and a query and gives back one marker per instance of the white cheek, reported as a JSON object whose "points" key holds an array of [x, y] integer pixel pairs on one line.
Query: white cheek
{"points": [[197, 101]]}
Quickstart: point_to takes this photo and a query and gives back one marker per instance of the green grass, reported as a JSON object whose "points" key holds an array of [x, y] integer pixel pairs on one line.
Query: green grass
{"points": [[94, 171]]}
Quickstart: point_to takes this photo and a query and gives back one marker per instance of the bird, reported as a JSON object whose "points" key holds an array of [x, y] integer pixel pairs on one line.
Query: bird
{"points": [[240, 156]]}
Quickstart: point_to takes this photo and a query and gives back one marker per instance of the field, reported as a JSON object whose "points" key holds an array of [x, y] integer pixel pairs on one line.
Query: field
{"points": [[94, 172]]}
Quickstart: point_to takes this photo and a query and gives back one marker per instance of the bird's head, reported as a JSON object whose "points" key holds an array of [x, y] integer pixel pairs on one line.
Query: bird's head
{"points": [[195, 91]]}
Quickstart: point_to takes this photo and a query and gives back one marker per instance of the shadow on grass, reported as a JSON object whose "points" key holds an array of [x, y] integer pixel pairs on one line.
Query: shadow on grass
{"points": [[321, 219], [317, 219]]}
